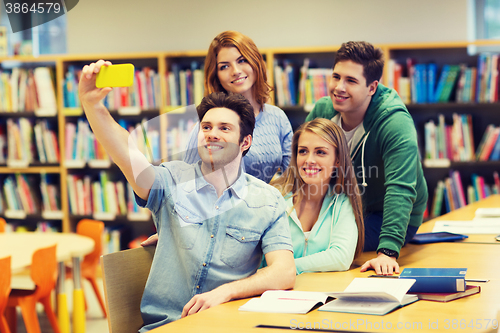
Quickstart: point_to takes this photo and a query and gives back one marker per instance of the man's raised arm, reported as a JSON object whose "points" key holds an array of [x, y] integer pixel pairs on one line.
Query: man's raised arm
{"points": [[114, 138]]}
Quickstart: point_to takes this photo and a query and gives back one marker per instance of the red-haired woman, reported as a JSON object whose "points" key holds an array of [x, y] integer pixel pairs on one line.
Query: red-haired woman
{"points": [[234, 64]]}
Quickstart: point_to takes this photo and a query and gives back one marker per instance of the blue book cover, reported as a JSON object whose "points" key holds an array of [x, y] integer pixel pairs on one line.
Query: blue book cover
{"points": [[446, 202], [435, 280], [495, 154], [431, 81], [441, 83]]}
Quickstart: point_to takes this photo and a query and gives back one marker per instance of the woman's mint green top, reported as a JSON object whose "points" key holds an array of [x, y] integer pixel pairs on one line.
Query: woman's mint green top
{"points": [[332, 241]]}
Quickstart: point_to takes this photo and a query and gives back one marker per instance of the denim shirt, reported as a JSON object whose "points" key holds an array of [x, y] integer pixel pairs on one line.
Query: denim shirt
{"points": [[205, 241]]}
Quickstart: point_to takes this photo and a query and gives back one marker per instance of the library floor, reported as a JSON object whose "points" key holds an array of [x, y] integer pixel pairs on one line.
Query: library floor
{"points": [[95, 323]]}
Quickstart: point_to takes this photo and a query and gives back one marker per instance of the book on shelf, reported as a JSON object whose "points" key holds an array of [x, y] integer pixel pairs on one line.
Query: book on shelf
{"points": [[70, 88], [185, 84], [286, 301], [19, 141], [437, 202], [454, 142], [459, 190], [489, 143], [111, 239], [373, 296], [46, 97], [439, 280], [447, 297]]}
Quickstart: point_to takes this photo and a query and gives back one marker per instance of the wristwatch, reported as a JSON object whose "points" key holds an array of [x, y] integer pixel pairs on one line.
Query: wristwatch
{"points": [[389, 253]]}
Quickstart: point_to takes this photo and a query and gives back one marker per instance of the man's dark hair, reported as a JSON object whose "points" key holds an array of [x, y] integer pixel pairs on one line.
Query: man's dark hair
{"points": [[235, 102], [365, 54]]}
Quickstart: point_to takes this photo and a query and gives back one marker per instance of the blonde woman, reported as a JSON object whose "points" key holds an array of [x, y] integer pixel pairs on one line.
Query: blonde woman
{"points": [[323, 199]]}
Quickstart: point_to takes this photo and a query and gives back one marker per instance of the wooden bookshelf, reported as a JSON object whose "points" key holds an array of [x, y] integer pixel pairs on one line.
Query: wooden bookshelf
{"points": [[162, 62]]}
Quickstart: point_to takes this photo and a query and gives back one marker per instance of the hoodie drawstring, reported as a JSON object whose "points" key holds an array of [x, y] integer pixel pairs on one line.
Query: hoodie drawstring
{"points": [[363, 160]]}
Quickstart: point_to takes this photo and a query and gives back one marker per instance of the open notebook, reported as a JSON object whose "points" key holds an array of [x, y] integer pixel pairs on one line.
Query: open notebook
{"points": [[286, 301], [374, 296]]}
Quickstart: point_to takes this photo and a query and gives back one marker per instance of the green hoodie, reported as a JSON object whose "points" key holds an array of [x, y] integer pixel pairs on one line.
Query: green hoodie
{"points": [[388, 163]]}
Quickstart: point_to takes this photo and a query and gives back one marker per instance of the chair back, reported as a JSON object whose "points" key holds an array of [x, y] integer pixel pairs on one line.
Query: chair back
{"points": [[94, 230], [5, 275], [124, 275], [44, 270], [2, 224]]}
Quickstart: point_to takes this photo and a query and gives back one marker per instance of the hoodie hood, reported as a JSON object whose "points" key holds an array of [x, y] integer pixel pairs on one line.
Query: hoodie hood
{"points": [[384, 103]]}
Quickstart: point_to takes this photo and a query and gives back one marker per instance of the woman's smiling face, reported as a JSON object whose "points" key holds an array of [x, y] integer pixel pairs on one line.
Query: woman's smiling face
{"points": [[234, 72], [316, 159]]}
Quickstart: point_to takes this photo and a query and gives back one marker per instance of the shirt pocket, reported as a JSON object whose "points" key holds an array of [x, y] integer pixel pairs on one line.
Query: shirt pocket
{"points": [[239, 245], [187, 228]]}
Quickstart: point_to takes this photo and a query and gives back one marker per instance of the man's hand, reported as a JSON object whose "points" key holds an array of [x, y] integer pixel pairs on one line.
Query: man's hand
{"points": [[207, 300], [152, 240], [89, 94], [383, 265]]}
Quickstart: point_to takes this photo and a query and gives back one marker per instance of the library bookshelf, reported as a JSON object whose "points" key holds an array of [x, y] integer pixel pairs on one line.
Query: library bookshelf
{"points": [[165, 81]]}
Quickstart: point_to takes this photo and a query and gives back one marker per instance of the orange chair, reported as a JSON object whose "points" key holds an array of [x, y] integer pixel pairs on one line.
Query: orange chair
{"points": [[90, 263], [2, 224], [4, 292], [44, 275]]}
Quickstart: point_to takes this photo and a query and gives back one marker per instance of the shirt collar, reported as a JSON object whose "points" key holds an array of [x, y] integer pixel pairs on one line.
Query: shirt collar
{"points": [[239, 187]]}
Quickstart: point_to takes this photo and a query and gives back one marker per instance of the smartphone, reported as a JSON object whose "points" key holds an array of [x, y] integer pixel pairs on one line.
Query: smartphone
{"points": [[121, 75]]}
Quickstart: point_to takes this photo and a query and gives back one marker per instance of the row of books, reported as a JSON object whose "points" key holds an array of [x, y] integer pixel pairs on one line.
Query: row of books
{"points": [[303, 88], [489, 147], [144, 94], [454, 142], [41, 226], [454, 195], [21, 195], [185, 86], [111, 239], [28, 90], [82, 145], [17, 146], [426, 83], [101, 197], [177, 138]]}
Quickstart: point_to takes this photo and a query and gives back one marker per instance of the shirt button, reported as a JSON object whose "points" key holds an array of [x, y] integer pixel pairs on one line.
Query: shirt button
{"points": [[242, 238], [187, 217], [204, 264], [216, 207], [211, 236], [197, 287]]}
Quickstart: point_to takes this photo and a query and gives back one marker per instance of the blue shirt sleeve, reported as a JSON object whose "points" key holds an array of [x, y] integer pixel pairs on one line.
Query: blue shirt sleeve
{"points": [[159, 190], [277, 235]]}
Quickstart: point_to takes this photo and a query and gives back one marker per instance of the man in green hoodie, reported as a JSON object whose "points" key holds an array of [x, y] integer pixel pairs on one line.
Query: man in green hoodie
{"points": [[383, 144]]}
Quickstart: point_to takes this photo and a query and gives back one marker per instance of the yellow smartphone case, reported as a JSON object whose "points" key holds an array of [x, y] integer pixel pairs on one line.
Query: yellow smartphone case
{"points": [[121, 75]]}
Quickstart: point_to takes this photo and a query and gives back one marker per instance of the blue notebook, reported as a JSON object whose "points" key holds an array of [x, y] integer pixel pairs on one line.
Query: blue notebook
{"points": [[435, 280], [436, 237]]}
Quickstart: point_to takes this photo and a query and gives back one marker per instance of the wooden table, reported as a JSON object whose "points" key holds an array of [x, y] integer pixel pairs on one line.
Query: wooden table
{"points": [[464, 214], [21, 246], [468, 314]]}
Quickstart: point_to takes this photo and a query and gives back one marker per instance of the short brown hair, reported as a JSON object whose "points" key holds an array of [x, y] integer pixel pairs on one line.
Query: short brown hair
{"points": [[249, 51], [235, 102], [365, 54]]}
